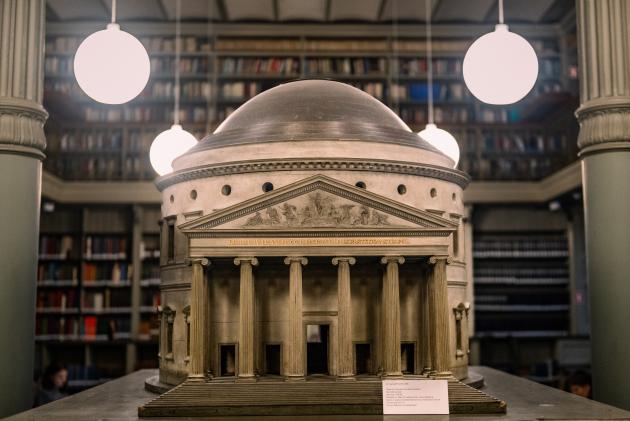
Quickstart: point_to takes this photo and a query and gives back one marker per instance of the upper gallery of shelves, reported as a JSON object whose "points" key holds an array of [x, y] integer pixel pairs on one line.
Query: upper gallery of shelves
{"points": [[526, 141]]}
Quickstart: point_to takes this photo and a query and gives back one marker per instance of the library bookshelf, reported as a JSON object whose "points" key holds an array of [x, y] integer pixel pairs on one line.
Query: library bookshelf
{"points": [[98, 290], [220, 72], [523, 287]]}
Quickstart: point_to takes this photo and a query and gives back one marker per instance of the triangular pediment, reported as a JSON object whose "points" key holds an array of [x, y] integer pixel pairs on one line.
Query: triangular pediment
{"points": [[318, 203]]}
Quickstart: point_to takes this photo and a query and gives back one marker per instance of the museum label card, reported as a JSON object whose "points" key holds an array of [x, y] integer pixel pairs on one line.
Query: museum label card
{"points": [[415, 397]]}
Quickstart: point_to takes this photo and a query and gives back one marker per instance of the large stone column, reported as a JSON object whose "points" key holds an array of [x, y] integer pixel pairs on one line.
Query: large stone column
{"points": [[391, 317], [22, 143], [425, 336], [345, 360], [198, 310], [246, 321], [295, 348], [439, 328], [604, 143]]}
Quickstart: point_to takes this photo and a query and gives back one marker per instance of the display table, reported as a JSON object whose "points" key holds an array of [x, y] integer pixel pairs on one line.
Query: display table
{"points": [[119, 399]]}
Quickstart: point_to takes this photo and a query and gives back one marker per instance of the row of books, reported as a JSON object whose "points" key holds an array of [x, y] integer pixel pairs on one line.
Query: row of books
{"points": [[188, 90], [67, 326], [143, 114], [97, 168], [188, 44], [105, 247], [192, 44], [453, 115], [150, 250], [527, 143], [375, 89], [150, 298], [187, 65], [260, 66], [346, 66], [58, 300], [420, 66], [56, 247], [521, 272], [57, 271], [454, 91], [91, 140], [512, 168], [519, 243], [240, 90], [112, 327], [96, 301], [117, 272]]}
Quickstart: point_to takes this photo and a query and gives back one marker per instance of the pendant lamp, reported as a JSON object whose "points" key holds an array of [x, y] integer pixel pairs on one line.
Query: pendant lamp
{"points": [[111, 65], [436, 137], [175, 141], [500, 67]]}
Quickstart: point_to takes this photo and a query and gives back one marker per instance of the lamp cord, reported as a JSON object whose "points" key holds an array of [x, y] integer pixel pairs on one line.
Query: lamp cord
{"points": [[501, 11], [429, 60], [113, 11], [177, 58]]}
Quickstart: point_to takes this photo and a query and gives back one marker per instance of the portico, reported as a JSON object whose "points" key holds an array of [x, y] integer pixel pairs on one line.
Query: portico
{"points": [[389, 237]]}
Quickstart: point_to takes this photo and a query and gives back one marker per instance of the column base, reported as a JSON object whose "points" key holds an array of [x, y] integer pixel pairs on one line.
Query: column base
{"points": [[386, 376], [444, 375], [196, 378]]}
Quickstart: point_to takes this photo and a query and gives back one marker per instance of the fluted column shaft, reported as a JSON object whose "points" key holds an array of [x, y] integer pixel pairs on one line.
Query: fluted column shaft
{"points": [[391, 317], [22, 143], [439, 329], [425, 336], [246, 320], [345, 362], [198, 302], [295, 346], [604, 142]]}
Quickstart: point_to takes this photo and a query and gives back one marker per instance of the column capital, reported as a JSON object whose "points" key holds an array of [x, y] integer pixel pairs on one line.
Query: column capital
{"points": [[434, 259], [22, 127], [290, 259], [197, 260], [351, 260], [252, 260], [396, 259]]}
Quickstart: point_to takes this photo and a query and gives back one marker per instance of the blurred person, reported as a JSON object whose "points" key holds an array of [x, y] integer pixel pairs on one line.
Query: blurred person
{"points": [[579, 383], [52, 384]]}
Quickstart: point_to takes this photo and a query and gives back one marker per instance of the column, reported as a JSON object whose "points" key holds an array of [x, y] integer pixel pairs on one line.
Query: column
{"points": [[295, 345], [439, 327], [198, 304], [22, 143], [391, 317], [604, 144], [345, 360], [425, 337], [246, 321]]}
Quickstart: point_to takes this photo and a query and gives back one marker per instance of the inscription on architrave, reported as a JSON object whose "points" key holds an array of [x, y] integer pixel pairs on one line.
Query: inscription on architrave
{"points": [[322, 242]]}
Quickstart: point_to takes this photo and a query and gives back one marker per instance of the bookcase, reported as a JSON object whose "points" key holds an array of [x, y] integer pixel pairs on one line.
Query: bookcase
{"points": [[96, 313], [521, 269], [526, 141]]}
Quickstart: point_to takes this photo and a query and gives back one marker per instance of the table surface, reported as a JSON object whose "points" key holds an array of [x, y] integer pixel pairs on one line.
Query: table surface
{"points": [[526, 400]]}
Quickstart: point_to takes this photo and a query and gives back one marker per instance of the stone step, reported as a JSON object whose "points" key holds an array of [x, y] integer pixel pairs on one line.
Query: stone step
{"points": [[297, 398]]}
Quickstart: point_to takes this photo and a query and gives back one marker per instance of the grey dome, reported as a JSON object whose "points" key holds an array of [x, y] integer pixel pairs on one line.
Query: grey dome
{"points": [[312, 110]]}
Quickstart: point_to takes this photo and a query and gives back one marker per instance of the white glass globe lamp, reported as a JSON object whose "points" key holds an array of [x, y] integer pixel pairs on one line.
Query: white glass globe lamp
{"points": [[169, 145], [500, 67], [112, 66], [442, 141]]}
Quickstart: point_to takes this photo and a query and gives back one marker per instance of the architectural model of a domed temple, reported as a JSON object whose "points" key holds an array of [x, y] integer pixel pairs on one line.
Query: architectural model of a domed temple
{"points": [[312, 246]]}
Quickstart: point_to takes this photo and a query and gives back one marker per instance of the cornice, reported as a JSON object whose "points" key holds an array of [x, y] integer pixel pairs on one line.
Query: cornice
{"points": [[22, 127], [243, 167]]}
